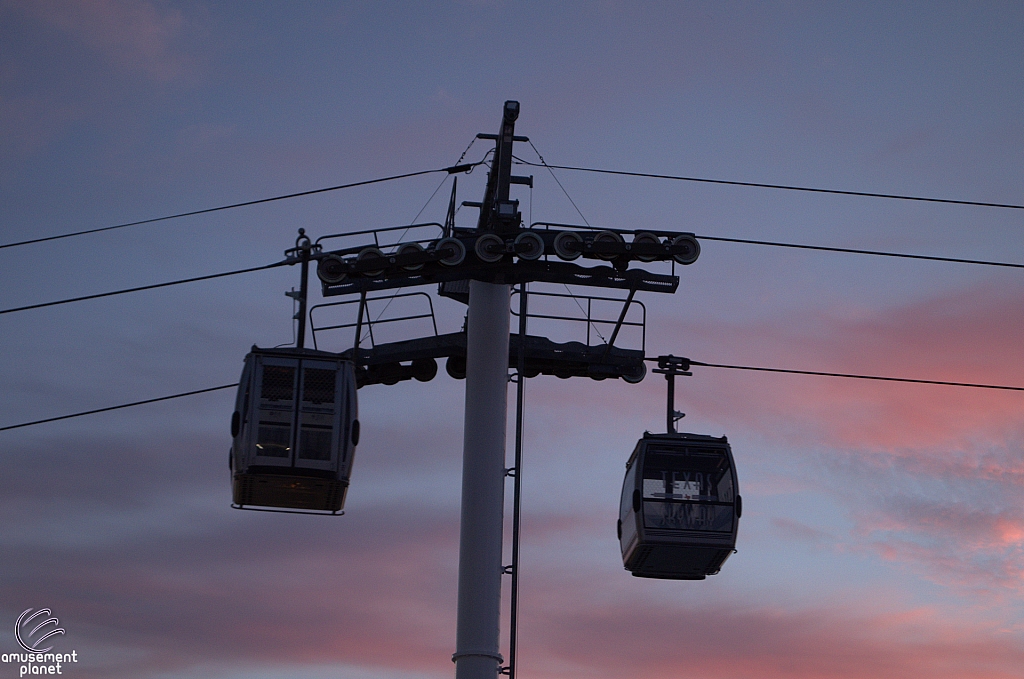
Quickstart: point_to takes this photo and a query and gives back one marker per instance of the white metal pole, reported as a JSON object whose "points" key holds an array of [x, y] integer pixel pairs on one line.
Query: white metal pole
{"points": [[483, 483]]}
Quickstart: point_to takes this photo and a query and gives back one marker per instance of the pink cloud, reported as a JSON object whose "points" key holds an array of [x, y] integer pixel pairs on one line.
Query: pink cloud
{"points": [[800, 531], [376, 588], [970, 336], [132, 34], [384, 598], [262, 591], [945, 461], [730, 640], [806, 410], [956, 543]]}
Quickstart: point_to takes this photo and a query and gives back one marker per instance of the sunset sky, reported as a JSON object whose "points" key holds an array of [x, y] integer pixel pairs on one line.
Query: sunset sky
{"points": [[883, 531]]}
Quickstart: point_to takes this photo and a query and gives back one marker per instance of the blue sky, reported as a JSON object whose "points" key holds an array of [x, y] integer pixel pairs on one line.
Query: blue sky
{"points": [[883, 533]]}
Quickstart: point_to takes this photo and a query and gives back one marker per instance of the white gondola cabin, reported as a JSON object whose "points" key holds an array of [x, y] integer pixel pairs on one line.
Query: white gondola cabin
{"points": [[295, 430], [680, 507]]}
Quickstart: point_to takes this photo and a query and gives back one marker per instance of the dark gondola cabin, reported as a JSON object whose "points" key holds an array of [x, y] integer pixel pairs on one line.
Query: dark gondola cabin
{"points": [[295, 430], [680, 507]]}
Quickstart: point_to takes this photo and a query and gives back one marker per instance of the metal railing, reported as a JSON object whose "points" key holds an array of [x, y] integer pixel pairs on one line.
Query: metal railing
{"points": [[368, 322], [377, 234], [588, 310]]}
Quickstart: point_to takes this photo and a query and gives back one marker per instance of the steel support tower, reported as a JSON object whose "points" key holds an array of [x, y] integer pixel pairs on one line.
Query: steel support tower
{"points": [[499, 252], [477, 638]]}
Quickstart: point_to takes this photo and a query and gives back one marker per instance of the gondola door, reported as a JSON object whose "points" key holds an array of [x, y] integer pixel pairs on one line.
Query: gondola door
{"points": [[273, 411], [317, 443]]}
